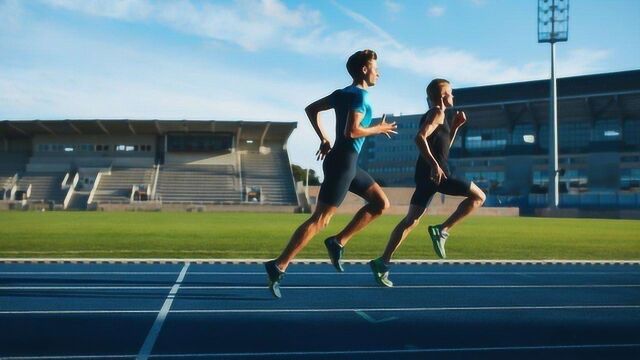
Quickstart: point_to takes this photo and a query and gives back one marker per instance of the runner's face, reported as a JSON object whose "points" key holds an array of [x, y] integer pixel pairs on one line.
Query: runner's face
{"points": [[447, 95], [371, 76]]}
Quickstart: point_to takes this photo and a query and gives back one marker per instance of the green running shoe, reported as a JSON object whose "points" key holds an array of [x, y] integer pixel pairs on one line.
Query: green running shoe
{"points": [[275, 276], [380, 272], [438, 238], [335, 251]]}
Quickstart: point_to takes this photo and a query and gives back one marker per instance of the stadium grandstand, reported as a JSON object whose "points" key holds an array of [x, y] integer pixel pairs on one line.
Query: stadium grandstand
{"points": [[504, 145], [146, 164]]}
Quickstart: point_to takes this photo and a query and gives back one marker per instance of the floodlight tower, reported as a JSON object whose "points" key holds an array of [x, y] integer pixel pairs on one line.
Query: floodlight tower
{"points": [[553, 26]]}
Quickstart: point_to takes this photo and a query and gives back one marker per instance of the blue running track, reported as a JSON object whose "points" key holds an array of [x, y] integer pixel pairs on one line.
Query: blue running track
{"points": [[436, 311]]}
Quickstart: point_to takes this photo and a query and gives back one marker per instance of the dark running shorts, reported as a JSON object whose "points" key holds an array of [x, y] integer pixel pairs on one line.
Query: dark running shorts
{"points": [[342, 174], [426, 188]]}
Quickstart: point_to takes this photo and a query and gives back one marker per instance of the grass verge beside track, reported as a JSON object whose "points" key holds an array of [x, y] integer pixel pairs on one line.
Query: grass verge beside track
{"points": [[263, 235]]}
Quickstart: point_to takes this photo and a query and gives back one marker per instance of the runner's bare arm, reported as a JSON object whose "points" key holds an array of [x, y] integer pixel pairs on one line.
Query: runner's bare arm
{"points": [[354, 130]]}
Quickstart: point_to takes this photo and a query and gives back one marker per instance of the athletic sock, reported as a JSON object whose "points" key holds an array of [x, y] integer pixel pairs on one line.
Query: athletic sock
{"points": [[443, 233]]}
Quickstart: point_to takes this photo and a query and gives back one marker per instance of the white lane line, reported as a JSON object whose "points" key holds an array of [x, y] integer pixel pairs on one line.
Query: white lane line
{"points": [[75, 312], [257, 261], [46, 357], [346, 352], [329, 310], [146, 348], [368, 273], [52, 357], [418, 309], [87, 272], [131, 287], [328, 287], [347, 287], [409, 351]]}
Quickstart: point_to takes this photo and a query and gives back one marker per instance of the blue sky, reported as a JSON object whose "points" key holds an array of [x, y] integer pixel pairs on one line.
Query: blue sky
{"points": [[266, 60]]}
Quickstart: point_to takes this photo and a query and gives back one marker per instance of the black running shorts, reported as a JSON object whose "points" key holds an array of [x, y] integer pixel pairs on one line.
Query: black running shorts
{"points": [[342, 174], [426, 188]]}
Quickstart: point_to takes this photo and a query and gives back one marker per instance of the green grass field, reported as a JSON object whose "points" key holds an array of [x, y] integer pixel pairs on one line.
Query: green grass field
{"points": [[257, 235]]}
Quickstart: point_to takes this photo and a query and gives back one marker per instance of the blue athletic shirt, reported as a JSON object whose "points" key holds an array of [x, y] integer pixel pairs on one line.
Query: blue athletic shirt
{"points": [[347, 99]]}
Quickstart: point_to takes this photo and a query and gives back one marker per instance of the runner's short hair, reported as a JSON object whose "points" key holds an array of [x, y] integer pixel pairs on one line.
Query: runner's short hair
{"points": [[433, 89], [358, 60]]}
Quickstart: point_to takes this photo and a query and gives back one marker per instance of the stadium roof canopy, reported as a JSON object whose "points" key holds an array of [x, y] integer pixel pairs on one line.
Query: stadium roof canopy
{"points": [[255, 130], [580, 98], [615, 83]]}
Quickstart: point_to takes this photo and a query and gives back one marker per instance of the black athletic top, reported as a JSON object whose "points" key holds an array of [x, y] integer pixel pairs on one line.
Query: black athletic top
{"points": [[439, 144]]}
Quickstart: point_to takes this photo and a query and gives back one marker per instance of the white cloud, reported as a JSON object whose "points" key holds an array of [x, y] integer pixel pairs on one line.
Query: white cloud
{"points": [[581, 61], [463, 67], [393, 6], [386, 37], [436, 11], [253, 25]]}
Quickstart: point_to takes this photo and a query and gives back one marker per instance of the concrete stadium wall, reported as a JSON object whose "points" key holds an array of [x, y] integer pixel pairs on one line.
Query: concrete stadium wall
{"points": [[152, 206], [36, 206]]}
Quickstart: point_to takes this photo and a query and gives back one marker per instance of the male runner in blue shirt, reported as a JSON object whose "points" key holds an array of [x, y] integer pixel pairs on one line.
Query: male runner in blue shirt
{"points": [[341, 172]]}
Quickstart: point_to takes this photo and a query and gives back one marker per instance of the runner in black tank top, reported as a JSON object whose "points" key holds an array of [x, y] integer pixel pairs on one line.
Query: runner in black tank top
{"points": [[439, 145], [432, 175]]}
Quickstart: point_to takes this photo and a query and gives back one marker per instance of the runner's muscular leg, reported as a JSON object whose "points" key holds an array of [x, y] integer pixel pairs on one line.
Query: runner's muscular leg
{"points": [[305, 232], [377, 203]]}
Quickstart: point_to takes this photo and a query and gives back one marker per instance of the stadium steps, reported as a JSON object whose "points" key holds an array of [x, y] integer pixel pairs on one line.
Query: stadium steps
{"points": [[79, 200], [198, 183], [273, 174], [116, 187], [45, 186]]}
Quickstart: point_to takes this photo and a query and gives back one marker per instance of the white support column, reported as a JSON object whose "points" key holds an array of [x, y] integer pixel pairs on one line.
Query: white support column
{"points": [[554, 196], [238, 133]]}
